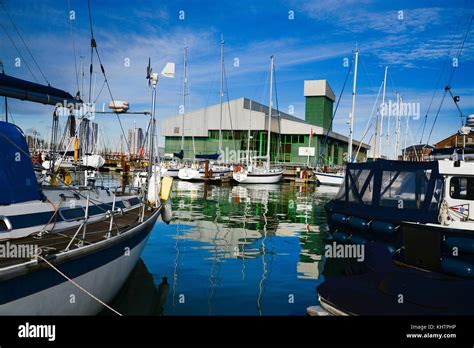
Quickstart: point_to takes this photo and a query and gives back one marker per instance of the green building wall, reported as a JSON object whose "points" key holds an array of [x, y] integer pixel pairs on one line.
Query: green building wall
{"points": [[284, 148], [318, 111]]}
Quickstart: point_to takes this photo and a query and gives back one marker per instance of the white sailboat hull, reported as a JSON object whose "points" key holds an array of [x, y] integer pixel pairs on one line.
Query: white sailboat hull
{"points": [[171, 172], [330, 179], [257, 178], [190, 174], [103, 282]]}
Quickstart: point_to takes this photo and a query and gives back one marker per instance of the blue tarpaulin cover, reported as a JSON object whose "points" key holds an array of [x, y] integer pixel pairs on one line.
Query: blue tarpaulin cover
{"points": [[17, 177]]}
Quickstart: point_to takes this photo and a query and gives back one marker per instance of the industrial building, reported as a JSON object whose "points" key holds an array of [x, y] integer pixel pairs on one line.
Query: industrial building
{"points": [[293, 140]]}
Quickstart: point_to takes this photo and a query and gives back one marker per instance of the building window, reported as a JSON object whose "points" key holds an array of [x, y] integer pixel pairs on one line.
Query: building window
{"points": [[176, 130]]}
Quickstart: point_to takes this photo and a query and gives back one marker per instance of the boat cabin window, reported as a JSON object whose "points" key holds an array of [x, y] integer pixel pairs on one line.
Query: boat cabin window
{"points": [[405, 189], [461, 188]]}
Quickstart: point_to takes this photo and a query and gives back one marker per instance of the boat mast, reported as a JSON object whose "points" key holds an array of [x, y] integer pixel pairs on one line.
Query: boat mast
{"points": [[406, 136], [221, 93], [384, 110], [351, 123], [248, 135], [152, 133], [397, 127], [82, 76], [185, 82], [269, 138]]}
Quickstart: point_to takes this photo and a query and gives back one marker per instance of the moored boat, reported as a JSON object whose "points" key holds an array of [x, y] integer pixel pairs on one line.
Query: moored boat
{"points": [[61, 242]]}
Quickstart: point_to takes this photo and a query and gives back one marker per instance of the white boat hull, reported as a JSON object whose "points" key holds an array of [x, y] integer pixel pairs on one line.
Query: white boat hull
{"points": [[171, 172], [104, 282], [189, 174], [260, 178], [330, 179]]}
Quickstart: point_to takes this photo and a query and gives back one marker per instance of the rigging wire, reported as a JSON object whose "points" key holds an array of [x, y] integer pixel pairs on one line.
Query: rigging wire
{"points": [[19, 53], [93, 43], [228, 106], [334, 113], [73, 46], [22, 40], [450, 79], [280, 148], [369, 121], [423, 125], [94, 47]]}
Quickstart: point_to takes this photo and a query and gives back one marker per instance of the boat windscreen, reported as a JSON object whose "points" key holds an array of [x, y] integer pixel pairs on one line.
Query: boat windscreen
{"points": [[408, 189]]}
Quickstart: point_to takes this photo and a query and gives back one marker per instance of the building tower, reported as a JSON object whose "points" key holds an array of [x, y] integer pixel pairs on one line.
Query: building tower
{"points": [[319, 103]]}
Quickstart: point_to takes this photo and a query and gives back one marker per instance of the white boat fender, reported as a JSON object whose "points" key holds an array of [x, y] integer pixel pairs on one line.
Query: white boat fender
{"points": [[166, 211]]}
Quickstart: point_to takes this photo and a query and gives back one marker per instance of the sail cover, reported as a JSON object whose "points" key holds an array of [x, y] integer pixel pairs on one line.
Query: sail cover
{"points": [[179, 155], [213, 156], [17, 177], [13, 87]]}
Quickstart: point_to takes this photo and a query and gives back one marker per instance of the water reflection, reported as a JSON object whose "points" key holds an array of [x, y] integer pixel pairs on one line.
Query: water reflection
{"points": [[140, 295], [270, 236], [238, 250]]}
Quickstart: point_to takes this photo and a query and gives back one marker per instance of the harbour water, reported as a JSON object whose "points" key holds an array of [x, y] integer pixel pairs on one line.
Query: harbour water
{"points": [[232, 250]]}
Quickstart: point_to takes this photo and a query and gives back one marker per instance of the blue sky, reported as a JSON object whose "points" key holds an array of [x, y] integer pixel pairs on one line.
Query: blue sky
{"points": [[313, 45]]}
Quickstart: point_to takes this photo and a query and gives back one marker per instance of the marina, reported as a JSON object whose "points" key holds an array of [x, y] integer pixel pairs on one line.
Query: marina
{"points": [[163, 165]]}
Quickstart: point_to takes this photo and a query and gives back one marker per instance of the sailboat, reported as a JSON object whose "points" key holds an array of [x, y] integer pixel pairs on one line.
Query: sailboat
{"points": [[172, 168], [202, 168], [66, 242], [324, 176], [76, 236], [265, 174]]}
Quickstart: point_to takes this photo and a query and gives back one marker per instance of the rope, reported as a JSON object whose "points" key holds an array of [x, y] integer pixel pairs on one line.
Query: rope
{"points": [[78, 286]]}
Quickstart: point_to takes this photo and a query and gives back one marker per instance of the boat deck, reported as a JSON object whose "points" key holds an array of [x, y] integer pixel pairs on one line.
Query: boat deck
{"points": [[52, 242]]}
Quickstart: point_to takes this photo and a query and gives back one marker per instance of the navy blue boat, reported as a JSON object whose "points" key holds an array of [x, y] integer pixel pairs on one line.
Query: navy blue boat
{"points": [[58, 241], [415, 221], [422, 211]]}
